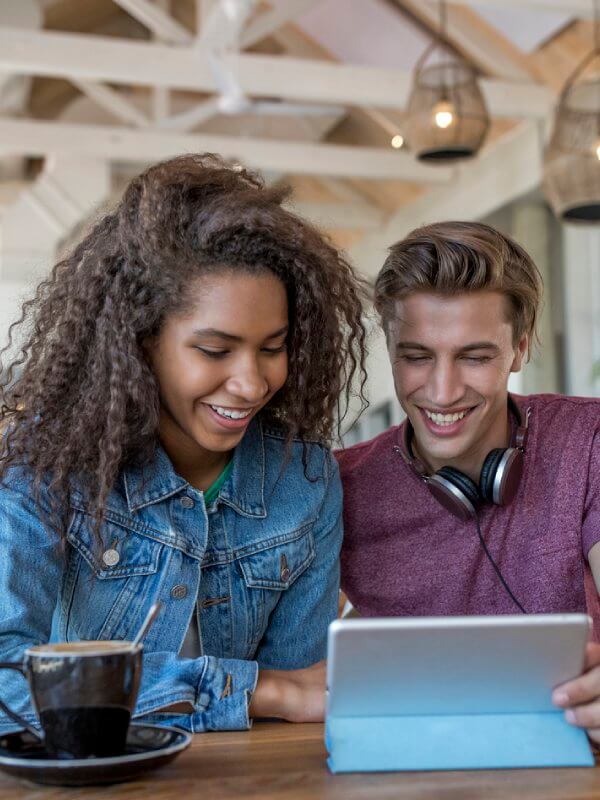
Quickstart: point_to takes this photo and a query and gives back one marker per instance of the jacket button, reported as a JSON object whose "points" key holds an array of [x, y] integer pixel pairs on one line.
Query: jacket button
{"points": [[285, 574], [179, 591], [111, 557], [187, 502]]}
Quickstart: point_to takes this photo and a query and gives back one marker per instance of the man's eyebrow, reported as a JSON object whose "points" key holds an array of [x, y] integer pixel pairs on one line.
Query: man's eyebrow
{"points": [[230, 337], [480, 346], [411, 346], [466, 349]]}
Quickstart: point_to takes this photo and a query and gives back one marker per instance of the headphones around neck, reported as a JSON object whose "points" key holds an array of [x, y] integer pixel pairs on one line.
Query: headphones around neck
{"points": [[498, 482]]}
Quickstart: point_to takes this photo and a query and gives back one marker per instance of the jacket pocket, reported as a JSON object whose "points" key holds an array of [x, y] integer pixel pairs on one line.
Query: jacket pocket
{"points": [[268, 569], [119, 552], [275, 564], [109, 578]]}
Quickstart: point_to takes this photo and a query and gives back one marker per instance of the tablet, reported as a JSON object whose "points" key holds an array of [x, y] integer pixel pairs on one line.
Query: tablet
{"points": [[452, 665]]}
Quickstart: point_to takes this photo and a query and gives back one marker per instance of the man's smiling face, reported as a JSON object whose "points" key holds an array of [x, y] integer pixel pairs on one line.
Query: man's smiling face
{"points": [[451, 358]]}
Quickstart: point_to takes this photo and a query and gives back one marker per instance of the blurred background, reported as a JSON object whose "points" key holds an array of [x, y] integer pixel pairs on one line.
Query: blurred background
{"points": [[380, 114]]}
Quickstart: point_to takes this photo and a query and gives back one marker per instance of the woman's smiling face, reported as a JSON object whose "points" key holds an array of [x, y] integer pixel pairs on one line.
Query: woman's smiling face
{"points": [[219, 362]]}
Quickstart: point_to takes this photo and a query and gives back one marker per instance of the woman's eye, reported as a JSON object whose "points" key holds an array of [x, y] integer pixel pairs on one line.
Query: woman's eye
{"points": [[272, 350], [212, 353]]}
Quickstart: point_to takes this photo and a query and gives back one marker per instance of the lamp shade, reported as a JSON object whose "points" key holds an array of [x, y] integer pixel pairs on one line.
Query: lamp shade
{"points": [[572, 158], [447, 118]]}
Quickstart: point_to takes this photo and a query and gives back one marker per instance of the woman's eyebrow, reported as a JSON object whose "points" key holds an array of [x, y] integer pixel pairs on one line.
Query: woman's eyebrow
{"points": [[280, 332], [230, 337], [216, 332]]}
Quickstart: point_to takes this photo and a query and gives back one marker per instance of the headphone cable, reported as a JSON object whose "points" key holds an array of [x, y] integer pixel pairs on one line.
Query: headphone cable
{"points": [[495, 566]]}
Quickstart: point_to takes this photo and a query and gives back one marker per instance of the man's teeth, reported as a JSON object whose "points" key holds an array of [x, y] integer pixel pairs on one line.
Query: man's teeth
{"points": [[444, 419], [229, 413]]}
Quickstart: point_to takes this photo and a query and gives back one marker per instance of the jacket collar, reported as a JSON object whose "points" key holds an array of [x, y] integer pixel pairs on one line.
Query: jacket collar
{"points": [[243, 491]]}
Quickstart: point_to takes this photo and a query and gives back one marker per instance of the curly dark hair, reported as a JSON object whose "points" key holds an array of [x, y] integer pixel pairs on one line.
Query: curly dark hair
{"points": [[80, 398]]}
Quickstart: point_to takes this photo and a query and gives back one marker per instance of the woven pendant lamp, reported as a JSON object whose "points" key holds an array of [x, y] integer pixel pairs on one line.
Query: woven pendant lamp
{"points": [[447, 118], [572, 158]]}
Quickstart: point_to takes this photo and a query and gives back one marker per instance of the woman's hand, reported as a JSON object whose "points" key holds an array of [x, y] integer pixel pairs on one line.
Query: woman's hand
{"points": [[581, 696], [296, 695]]}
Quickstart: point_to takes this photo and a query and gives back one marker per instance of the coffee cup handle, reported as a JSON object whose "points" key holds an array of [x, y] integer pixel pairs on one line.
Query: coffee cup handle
{"points": [[13, 714]]}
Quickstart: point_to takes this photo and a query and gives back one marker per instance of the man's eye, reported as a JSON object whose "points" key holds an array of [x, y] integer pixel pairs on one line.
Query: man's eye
{"points": [[476, 359], [416, 359]]}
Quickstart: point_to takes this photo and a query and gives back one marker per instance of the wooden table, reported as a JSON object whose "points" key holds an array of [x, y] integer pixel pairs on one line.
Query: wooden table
{"points": [[279, 761]]}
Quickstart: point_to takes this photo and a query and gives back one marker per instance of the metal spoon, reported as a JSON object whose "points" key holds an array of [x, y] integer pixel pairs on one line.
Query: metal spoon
{"points": [[150, 617]]}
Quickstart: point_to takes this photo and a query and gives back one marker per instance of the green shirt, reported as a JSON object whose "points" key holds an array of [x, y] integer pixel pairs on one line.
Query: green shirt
{"points": [[213, 490]]}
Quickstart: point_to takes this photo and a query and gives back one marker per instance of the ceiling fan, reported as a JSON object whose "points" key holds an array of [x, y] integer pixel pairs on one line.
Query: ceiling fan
{"points": [[222, 39]]}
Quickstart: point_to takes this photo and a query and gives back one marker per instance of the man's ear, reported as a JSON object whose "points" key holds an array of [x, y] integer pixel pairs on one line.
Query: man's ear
{"points": [[520, 354]]}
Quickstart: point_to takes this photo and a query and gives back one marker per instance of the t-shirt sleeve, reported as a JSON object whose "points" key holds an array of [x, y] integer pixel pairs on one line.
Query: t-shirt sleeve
{"points": [[590, 533]]}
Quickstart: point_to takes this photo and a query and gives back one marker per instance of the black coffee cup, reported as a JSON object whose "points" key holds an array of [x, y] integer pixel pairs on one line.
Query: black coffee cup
{"points": [[84, 694]]}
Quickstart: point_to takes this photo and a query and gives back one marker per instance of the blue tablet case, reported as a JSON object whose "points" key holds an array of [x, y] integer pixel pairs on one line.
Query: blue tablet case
{"points": [[463, 741], [453, 693]]}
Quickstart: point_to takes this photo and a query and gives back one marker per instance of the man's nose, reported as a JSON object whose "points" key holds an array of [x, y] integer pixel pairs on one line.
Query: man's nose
{"points": [[446, 385]]}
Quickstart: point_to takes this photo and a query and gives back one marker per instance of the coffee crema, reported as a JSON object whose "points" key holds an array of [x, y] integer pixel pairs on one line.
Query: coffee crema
{"points": [[87, 648]]}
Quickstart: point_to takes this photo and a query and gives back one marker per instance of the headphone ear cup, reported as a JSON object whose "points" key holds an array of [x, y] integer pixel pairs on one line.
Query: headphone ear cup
{"points": [[455, 491], [488, 473], [462, 482]]}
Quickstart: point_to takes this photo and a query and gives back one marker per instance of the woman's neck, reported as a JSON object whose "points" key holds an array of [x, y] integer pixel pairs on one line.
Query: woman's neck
{"points": [[199, 467]]}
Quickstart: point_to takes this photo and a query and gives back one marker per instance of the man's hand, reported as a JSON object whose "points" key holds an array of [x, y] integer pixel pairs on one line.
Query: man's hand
{"points": [[297, 695], [581, 696]]}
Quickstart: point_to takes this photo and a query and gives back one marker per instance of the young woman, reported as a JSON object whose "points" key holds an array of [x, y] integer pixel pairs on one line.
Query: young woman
{"points": [[166, 439]]}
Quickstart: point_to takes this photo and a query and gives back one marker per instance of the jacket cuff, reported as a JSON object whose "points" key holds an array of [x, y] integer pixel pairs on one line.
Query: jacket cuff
{"points": [[224, 695]]}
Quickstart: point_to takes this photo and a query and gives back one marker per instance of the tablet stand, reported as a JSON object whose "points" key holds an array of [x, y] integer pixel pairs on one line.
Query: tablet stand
{"points": [[452, 742]]}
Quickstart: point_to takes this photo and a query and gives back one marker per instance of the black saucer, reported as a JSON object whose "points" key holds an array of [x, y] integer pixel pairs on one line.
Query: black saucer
{"points": [[148, 747]]}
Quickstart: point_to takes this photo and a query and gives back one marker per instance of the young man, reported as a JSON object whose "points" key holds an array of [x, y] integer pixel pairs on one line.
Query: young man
{"points": [[520, 476]]}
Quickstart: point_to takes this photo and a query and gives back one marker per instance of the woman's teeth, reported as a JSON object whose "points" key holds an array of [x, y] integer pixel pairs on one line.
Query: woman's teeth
{"points": [[230, 413], [444, 419]]}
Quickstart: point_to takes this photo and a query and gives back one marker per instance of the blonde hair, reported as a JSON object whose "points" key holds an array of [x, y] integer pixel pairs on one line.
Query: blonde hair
{"points": [[454, 257]]}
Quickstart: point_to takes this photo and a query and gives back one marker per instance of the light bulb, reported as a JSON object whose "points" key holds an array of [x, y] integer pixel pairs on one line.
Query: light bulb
{"points": [[443, 114], [397, 141], [597, 150]]}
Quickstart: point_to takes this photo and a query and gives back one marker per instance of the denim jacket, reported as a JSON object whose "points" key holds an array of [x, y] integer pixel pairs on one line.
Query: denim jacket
{"points": [[258, 571]]}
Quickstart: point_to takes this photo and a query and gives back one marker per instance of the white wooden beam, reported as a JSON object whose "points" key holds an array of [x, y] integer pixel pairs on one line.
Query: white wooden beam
{"points": [[508, 169], [186, 120], [204, 10], [112, 101], [156, 20], [346, 216], [36, 138], [32, 226], [105, 59], [270, 21], [161, 97], [223, 25], [487, 52], [576, 8]]}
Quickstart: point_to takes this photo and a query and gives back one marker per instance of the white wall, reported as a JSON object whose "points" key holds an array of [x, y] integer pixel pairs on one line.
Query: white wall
{"points": [[581, 258], [12, 294]]}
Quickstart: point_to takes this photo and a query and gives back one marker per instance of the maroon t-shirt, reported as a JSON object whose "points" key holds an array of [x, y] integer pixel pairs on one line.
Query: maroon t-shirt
{"points": [[403, 554]]}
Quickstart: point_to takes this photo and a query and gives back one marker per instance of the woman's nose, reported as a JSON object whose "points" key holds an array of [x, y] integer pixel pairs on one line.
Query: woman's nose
{"points": [[248, 383]]}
